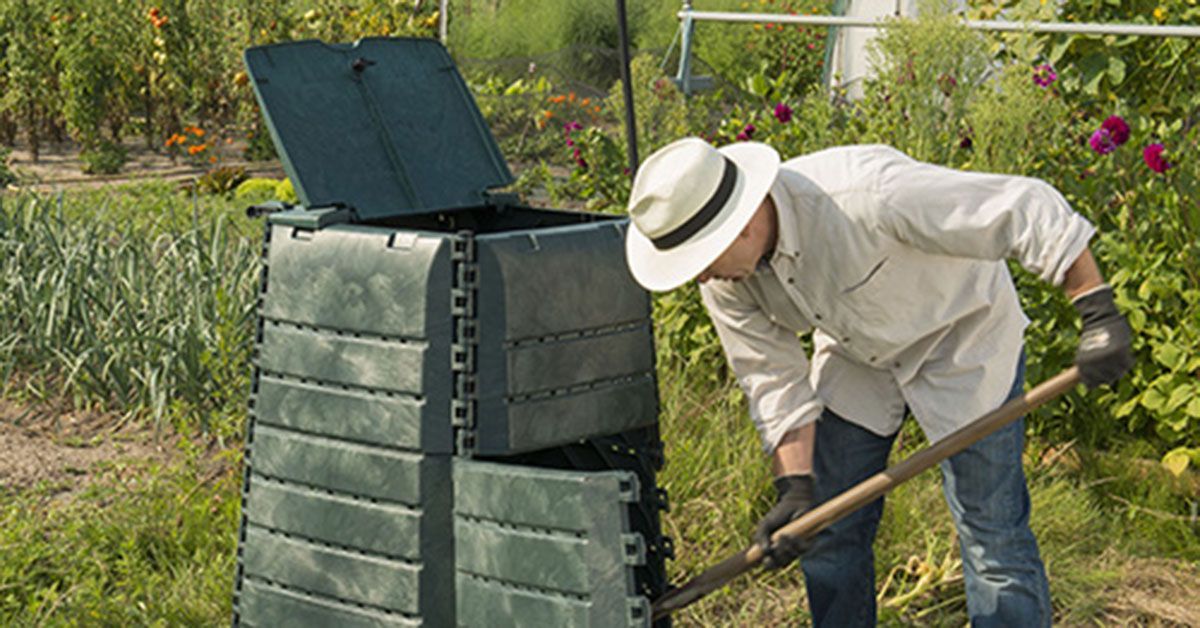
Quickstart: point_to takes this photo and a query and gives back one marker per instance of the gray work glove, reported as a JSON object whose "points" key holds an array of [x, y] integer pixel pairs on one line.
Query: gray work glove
{"points": [[795, 497], [1104, 353]]}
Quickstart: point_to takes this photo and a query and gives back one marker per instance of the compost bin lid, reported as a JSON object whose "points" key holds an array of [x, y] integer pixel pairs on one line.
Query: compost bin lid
{"points": [[385, 126]]}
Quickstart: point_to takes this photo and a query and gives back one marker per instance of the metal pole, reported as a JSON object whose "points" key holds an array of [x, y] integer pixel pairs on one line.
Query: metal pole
{"points": [[630, 123], [443, 17], [685, 49], [986, 25]]}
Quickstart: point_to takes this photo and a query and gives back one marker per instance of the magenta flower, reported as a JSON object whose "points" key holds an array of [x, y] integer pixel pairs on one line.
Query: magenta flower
{"points": [[747, 133], [572, 126], [1102, 142], [1117, 129], [783, 113], [1044, 75], [1153, 156]]}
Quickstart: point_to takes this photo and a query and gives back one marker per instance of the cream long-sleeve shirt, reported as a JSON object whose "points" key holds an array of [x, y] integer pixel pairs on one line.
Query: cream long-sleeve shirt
{"points": [[897, 267]]}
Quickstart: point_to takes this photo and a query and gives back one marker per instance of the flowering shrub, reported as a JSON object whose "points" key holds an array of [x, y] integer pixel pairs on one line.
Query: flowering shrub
{"points": [[1153, 156]]}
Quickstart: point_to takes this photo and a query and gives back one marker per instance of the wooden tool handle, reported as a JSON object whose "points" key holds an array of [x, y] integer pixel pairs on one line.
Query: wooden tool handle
{"points": [[867, 491]]}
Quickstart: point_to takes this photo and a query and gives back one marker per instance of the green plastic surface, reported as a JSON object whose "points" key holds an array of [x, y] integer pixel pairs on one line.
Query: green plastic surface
{"points": [[360, 279], [385, 126], [333, 572], [335, 465], [545, 547], [270, 606]]}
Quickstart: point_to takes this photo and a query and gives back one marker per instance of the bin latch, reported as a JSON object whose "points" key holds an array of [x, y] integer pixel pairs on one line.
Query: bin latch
{"points": [[361, 63]]}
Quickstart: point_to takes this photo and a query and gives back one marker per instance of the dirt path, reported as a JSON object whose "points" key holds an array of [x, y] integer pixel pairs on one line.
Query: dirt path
{"points": [[58, 451], [59, 166]]}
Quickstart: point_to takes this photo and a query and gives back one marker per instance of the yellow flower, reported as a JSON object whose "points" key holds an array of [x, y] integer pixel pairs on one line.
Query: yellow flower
{"points": [[1160, 14]]}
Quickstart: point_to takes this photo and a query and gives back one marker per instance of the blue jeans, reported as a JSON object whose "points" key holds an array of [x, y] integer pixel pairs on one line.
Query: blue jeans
{"points": [[989, 501]]}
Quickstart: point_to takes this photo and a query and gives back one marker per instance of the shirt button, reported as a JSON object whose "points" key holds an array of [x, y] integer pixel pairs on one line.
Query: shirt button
{"points": [[896, 364], [871, 359], [845, 338], [791, 280], [817, 316]]}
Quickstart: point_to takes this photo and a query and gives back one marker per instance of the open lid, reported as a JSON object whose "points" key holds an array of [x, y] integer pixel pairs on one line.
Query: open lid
{"points": [[385, 126]]}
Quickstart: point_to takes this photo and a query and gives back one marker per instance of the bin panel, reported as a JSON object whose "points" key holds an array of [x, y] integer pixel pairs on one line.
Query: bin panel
{"points": [[571, 361], [387, 529], [329, 571], [582, 266], [369, 471], [269, 606], [488, 603], [544, 544], [405, 421], [561, 557], [508, 427], [353, 278], [340, 359]]}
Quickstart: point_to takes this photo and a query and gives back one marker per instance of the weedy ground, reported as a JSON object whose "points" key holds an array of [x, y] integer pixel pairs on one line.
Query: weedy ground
{"points": [[119, 505]]}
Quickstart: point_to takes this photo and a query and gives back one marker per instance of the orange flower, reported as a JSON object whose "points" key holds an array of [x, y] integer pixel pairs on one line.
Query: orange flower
{"points": [[585, 102], [547, 114], [571, 97], [212, 159], [199, 148], [557, 99], [197, 131], [596, 109]]}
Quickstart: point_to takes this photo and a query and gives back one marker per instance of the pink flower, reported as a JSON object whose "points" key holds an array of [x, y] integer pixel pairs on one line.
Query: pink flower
{"points": [[1044, 75], [783, 113], [747, 133], [572, 126], [1117, 129], [1102, 142], [1153, 156]]}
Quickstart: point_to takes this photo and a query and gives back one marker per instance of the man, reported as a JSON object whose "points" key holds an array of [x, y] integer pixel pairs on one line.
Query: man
{"points": [[898, 269]]}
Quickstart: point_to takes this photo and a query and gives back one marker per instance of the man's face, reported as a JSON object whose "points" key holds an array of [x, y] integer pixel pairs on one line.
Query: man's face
{"points": [[740, 260]]}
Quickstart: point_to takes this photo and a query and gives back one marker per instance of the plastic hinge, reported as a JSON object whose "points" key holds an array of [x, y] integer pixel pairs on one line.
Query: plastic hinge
{"points": [[630, 488], [639, 612], [634, 547], [463, 346]]}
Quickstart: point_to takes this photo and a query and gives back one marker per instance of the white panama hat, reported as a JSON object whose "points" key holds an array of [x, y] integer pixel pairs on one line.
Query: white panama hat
{"points": [[688, 204]]}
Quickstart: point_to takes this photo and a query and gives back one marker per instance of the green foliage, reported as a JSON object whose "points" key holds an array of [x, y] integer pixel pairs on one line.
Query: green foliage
{"points": [[142, 545], [7, 174], [286, 192], [772, 49], [1152, 74], [222, 180], [105, 157], [583, 31], [256, 189], [146, 318]]}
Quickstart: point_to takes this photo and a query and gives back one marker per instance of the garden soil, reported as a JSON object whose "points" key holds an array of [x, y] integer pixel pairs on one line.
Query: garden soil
{"points": [[59, 166], [59, 451]]}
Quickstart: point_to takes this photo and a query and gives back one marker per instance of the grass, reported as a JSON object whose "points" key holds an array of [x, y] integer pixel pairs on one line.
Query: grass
{"points": [[142, 545], [159, 284]]}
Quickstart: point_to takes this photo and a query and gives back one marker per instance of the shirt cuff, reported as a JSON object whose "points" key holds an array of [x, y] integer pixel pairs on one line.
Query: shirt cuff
{"points": [[772, 431]]}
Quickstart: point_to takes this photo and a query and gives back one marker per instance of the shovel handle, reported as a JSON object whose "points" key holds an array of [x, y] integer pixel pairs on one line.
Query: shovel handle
{"points": [[867, 491]]}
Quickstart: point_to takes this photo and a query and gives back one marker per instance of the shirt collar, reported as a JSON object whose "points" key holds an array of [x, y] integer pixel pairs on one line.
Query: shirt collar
{"points": [[787, 239]]}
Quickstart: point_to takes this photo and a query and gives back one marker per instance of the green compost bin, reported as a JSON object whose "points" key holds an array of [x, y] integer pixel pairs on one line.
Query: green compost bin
{"points": [[417, 332]]}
